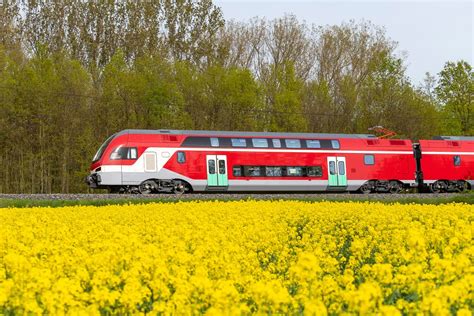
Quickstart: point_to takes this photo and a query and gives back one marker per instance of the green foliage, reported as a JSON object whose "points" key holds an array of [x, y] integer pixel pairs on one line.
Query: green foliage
{"points": [[44, 128], [389, 100], [283, 100], [229, 99], [456, 92]]}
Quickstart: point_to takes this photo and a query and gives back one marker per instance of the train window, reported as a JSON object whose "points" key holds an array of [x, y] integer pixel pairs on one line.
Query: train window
{"points": [[252, 171], [181, 157], [313, 144], [315, 171], [211, 166], [335, 144], [102, 148], [214, 142], [369, 159], [273, 171], [332, 167], [237, 171], [239, 142], [294, 171], [342, 169], [457, 160], [132, 153], [259, 142], [221, 166], [276, 143], [292, 143], [196, 142], [121, 153]]}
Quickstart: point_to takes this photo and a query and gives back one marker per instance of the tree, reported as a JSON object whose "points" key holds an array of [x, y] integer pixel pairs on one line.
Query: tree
{"points": [[388, 99], [283, 96], [220, 98], [92, 31], [44, 123], [456, 91]]}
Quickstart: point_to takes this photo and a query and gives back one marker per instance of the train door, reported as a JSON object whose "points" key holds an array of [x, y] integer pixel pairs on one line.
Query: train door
{"points": [[217, 171], [337, 176]]}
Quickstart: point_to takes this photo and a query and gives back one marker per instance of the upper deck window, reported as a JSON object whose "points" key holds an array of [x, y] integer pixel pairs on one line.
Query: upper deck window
{"points": [[313, 144], [259, 142], [292, 143], [214, 142], [276, 143], [193, 141], [335, 144], [239, 142]]}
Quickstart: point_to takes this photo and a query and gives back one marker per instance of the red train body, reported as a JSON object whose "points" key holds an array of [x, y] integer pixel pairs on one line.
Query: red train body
{"points": [[149, 161], [448, 164]]}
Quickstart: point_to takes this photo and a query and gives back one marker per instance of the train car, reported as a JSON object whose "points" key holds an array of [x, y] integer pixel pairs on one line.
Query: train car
{"points": [[148, 161], [448, 163]]}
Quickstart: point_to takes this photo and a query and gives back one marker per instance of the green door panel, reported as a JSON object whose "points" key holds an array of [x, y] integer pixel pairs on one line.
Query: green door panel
{"points": [[217, 171], [332, 172], [211, 171], [222, 179], [337, 176], [341, 172]]}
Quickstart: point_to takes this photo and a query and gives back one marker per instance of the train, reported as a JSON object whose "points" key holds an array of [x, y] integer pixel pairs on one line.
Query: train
{"points": [[180, 161]]}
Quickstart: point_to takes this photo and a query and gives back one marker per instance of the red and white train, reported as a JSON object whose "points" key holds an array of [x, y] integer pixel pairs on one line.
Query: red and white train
{"points": [[148, 161]]}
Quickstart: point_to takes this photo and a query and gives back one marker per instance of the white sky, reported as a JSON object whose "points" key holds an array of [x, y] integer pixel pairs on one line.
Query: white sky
{"points": [[428, 32]]}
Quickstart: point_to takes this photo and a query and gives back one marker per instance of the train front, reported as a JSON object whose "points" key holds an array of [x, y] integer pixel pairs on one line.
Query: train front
{"points": [[99, 178]]}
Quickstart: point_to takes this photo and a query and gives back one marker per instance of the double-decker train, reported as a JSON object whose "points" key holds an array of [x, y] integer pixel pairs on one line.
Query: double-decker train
{"points": [[149, 161]]}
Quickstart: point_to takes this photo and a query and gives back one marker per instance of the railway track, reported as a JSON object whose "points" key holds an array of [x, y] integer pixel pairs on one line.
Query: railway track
{"points": [[229, 196]]}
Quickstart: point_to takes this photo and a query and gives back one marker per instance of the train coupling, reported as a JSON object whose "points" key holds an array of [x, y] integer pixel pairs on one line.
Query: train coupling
{"points": [[93, 180]]}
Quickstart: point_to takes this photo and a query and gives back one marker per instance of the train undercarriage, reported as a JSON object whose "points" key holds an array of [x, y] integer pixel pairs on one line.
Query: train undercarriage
{"points": [[179, 187], [446, 186], [152, 186]]}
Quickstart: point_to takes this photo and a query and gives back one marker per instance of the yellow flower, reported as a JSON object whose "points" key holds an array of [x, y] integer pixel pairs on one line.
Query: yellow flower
{"points": [[240, 257]]}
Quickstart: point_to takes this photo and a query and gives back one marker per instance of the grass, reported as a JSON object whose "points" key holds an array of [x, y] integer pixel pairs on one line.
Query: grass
{"points": [[467, 198]]}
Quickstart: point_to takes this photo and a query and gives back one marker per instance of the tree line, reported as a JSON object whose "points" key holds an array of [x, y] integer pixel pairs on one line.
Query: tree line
{"points": [[74, 72]]}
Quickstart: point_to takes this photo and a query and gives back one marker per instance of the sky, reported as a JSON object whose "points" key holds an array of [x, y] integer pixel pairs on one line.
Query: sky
{"points": [[428, 33]]}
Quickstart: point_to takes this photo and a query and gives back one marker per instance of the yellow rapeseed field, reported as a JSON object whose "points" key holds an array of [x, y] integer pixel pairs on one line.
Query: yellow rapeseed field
{"points": [[285, 257]]}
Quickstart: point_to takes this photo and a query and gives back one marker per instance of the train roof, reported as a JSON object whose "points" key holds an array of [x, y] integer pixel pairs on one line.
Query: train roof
{"points": [[453, 138], [246, 134]]}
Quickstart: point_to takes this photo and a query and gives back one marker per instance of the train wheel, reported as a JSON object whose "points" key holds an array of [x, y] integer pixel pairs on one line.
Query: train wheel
{"points": [[438, 187], [147, 187], [462, 186], [395, 187], [366, 188], [179, 188]]}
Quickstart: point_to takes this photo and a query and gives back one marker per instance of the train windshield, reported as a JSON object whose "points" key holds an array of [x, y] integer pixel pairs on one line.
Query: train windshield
{"points": [[102, 148]]}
